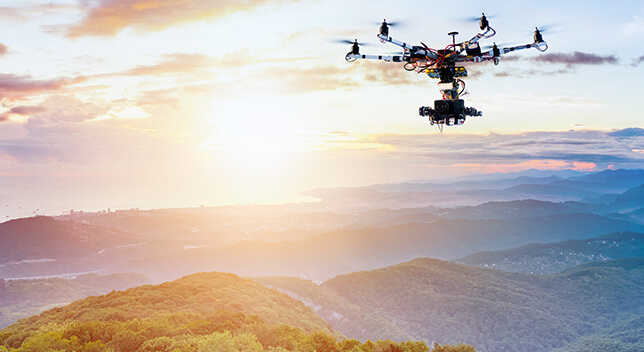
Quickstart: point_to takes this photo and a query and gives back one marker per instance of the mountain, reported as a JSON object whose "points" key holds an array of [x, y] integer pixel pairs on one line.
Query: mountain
{"points": [[550, 258], [638, 215], [343, 251], [433, 300], [23, 298], [595, 187], [200, 312], [42, 237], [624, 336], [516, 209], [40, 247], [500, 183], [622, 177], [630, 200], [347, 317]]}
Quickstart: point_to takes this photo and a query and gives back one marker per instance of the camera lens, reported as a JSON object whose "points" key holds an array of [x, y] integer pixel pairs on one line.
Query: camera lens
{"points": [[441, 106]]}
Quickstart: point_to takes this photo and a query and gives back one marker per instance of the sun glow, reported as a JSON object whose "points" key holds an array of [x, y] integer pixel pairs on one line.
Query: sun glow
{"points": [[257, 133]]}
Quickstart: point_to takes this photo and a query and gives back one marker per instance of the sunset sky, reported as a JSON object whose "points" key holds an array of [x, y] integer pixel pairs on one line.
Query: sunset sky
{"points": [[152, 104]]}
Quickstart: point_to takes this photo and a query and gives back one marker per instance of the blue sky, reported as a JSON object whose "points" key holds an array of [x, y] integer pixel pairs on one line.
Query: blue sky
{"points": [[180, 103]]}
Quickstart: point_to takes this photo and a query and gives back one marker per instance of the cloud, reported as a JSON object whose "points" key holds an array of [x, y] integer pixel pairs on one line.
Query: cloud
{"points": [[30, 10], [55, 113], [570, 60], [27, 110], [628, 132], [17, 87], [3, 49], [110, 17], [20, 113], [576, 58], [638, 61], [178, 63], [570, 148], [124, 112]]}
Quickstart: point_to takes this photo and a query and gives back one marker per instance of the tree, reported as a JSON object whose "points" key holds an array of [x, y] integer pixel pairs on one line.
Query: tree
{"points": [[451, 348]]}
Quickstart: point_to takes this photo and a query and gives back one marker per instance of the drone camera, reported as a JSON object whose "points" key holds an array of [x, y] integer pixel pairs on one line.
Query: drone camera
{"points": [[451, 108]]}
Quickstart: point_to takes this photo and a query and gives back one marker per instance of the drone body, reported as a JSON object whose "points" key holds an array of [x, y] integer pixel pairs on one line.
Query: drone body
{"points": [[442, 65]]}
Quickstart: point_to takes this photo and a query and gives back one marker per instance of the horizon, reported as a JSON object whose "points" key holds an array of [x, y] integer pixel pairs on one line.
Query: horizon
{"points": [[312, 200]]}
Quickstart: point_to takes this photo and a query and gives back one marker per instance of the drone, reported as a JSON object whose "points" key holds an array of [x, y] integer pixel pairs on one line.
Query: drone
{"points": [[443, 64]]}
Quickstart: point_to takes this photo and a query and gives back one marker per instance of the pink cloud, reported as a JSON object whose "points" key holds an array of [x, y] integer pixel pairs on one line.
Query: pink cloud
{"points": [[110, 17], [14, 87], [583, 166]]}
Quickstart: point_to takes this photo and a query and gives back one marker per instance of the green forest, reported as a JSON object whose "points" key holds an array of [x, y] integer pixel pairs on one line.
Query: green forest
{"points": [[24, 298], [432, 300], [201, 312]]}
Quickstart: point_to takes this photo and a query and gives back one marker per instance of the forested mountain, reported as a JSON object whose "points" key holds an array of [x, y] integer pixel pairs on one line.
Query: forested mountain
{"points": [[343, 251], [515, 209], [433, 300], [24, 298], [624, 336], [201, 312], [43, 238], [548, 258]]}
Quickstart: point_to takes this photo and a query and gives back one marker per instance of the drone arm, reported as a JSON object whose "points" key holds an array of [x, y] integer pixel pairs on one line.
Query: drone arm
{"points": [[542, 46], [413, 49], [470, 44], [388, 58]]}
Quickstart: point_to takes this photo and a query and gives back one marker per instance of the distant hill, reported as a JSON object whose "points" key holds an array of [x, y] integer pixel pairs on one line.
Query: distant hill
{"points": [[42, 237], [493, 310], [343, 251], [23, 298], [41, 246], [622, 177], [638, 215], [516, 209], [200, 312], [630, 200], [481, 188], [595, 187], [347, 317], [624, 336], [550, 258]]}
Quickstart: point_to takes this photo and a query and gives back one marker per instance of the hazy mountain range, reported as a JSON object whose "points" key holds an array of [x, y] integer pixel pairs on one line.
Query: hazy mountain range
{"points": [[567, 251]]}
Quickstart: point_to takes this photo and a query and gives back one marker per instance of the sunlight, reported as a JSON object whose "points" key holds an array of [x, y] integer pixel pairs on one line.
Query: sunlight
{"points": [[257, 133]]}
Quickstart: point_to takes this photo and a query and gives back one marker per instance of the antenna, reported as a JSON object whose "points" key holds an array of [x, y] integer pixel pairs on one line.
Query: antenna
{"points": [[453, 34]]}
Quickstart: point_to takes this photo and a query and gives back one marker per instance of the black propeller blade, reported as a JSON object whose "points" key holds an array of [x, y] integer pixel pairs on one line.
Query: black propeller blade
{"points": [[344, 41], [390, 24], [550, 28], [476, 19]]}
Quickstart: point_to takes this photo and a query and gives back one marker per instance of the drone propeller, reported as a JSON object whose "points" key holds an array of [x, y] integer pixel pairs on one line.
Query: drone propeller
{"points": [[548, 28], [390, 24], [351, 42], [476, 19]]}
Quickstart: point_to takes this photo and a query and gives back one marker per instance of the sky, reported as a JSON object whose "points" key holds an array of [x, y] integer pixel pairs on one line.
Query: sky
{"points": [[159, 104]]}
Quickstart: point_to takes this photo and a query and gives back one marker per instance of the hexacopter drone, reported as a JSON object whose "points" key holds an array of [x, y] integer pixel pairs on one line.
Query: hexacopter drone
{"points": [[442, 65]]}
